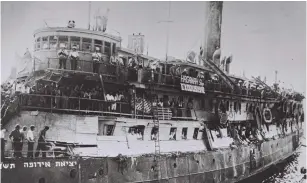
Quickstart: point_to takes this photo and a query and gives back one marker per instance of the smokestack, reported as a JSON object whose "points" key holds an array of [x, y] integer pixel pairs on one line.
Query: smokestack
{"points": [[213, 25]]}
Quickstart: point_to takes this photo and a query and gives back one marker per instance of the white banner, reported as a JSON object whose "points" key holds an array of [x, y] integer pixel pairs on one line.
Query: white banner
{"points": [[192, 88]]}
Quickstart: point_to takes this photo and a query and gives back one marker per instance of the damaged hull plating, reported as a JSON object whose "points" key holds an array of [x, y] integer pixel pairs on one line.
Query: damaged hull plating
{"points": [[220, 166]]}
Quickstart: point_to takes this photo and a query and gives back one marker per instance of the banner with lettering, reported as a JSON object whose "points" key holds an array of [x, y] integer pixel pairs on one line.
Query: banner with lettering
{"points": [[192, 84]]}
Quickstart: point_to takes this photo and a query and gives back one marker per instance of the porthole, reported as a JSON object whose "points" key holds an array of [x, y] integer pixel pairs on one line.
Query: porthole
{"points": [[73, 173], [42, 180], [100, 171]]}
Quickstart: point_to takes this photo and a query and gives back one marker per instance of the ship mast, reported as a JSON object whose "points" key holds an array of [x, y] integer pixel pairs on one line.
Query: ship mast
{"points": [[167, 32], [89, 15]]}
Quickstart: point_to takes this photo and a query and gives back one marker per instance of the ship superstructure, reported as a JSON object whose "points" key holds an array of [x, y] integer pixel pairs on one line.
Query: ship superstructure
{"points": [[140, 119]]}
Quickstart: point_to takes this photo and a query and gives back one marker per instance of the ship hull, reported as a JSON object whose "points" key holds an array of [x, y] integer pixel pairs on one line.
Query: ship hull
{"points": [[219, 166]]}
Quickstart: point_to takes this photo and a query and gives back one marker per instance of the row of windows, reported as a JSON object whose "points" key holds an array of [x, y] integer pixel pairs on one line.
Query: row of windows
{"points": [[82, 44], [138, 131]]}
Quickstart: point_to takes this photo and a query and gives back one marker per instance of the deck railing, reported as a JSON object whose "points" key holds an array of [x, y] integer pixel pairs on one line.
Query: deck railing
{"points": [[122, 73], [112, 71], [84, 105]]}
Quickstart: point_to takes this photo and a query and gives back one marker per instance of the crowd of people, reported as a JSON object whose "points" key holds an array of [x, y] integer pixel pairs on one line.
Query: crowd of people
{"points": [[20, 136], [52, 95]]}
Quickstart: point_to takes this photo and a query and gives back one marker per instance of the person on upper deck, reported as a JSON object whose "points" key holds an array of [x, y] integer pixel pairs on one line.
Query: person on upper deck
{"points": [[62, 54], [185, 72], [160, 104], [113, 104], [190, 107], [132, 62], [113, 60], [74, 57], [97, 58]]}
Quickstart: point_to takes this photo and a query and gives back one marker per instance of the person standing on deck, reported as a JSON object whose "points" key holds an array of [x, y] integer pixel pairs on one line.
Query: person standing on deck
{"points": [[113, 103], [30, 138], [96, 60], [3, 131], [23, 136], [41, 146], [74, 57], [16, 135], [62, 54]]}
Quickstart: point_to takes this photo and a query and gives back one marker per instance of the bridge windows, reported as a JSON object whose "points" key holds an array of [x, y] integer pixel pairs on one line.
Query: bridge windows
{"points": [[53, 42], [75, 41], [37, 43], [45, 43], [98, 43], [113, 49], [107, 48], [86, 44], [63, 40], [82, 44]]}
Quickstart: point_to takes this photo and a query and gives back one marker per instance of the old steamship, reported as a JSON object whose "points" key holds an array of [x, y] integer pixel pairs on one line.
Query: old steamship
{"points": [[138, 119]]}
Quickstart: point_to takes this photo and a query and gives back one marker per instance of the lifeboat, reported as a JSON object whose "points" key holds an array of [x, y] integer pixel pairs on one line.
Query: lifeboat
{"points": [[267, 115]]}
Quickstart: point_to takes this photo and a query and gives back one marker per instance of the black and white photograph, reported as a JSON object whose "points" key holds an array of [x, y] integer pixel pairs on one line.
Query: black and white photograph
{"points": [[153, 92]]}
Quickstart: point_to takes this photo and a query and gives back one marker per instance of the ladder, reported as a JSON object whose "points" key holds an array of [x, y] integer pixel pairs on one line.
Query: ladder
{"points": [[220, 73], [156, 124]]}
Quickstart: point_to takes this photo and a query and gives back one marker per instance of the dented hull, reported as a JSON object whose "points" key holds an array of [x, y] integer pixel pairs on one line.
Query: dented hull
{"points": [[220, 166]]}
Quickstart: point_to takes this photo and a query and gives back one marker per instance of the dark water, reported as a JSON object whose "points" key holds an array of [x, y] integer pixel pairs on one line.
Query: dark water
{"points": [[288, 171]]}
